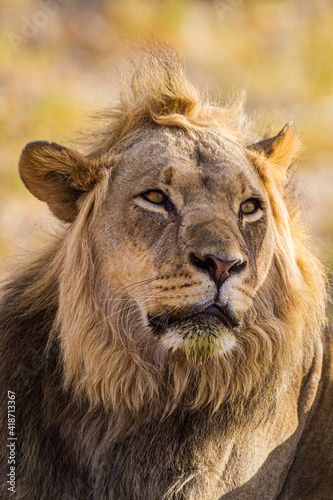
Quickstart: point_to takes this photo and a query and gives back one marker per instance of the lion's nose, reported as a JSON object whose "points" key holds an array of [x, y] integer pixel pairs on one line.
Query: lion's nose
{"points": [[218, 269]]}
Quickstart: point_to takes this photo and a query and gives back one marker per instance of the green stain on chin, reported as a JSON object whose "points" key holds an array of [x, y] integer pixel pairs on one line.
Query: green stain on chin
{"points": [[203, 336]]}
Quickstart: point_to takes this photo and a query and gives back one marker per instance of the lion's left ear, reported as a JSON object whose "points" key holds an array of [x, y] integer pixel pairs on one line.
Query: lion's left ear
{"points": [[58, 176], [279, 150]]}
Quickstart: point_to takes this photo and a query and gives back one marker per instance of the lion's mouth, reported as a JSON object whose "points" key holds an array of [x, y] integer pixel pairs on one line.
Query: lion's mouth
{"points": [[206, 319]]}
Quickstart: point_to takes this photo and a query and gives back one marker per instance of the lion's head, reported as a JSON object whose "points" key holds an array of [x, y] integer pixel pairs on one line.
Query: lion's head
{"points": [[182, 271]]}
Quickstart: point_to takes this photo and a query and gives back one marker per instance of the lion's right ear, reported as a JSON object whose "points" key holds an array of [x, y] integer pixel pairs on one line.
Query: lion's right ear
{"points": [[58, 176]]}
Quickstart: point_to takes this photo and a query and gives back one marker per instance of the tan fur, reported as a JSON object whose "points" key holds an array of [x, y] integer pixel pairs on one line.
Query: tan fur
{"points": [[114, 269], [113, 369]]}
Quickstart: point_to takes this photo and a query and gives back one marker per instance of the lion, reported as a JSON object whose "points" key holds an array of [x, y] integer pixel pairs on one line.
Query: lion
{"points": [[168, 341]]}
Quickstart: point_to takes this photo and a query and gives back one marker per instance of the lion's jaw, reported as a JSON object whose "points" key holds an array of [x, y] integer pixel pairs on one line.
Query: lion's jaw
{"points": [[199, 337]]}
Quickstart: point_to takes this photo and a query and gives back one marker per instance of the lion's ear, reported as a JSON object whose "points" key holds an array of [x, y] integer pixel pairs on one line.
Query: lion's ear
{"points": [[57, 175], [279, 149]]}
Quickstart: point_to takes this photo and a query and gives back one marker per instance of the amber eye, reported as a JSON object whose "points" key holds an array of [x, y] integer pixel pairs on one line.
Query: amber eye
{"points": [[249, 207], [155, 197]]}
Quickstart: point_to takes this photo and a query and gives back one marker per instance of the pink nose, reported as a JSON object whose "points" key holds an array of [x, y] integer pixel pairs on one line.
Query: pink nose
{"points": [[217, 268], [220, 268]]}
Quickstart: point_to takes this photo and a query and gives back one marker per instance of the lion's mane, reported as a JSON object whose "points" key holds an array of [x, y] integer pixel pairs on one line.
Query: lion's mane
{"points": [[106, 354]]}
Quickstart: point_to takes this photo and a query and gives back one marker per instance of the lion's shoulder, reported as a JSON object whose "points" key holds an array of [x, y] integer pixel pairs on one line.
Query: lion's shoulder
{"points": [[311, 474]]}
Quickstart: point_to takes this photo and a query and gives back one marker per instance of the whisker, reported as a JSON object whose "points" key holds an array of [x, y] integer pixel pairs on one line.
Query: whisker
{"points": [[166, 318], [124, 309], [140, 283], [125, 299], [114, 313], [163, 318]]}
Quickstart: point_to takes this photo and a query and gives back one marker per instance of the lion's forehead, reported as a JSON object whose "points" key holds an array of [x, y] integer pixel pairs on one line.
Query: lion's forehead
{"points": [[172, 157]]}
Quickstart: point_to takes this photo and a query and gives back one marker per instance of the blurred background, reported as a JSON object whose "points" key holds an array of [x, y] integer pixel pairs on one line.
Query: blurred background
{"points": [[60, 61]]}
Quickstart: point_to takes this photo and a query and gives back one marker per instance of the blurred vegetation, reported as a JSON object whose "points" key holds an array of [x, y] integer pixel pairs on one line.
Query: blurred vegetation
{"points": [[60, 60]]}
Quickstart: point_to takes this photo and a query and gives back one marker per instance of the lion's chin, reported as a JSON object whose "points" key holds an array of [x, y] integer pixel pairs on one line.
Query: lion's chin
{"points": [[200, 337]]}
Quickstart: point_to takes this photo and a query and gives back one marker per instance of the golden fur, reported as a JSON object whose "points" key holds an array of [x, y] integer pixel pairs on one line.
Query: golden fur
{"points": [[108, 365], [98, 283]]}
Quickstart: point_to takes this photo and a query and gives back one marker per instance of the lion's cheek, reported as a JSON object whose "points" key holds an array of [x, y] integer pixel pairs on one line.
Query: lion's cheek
{"points": [[237, 297], [129, 270], [265, 258]]}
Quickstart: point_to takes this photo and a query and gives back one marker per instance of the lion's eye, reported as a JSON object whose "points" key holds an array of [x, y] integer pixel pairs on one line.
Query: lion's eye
{"points": [[155, 197], [249, 207]]}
